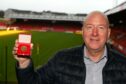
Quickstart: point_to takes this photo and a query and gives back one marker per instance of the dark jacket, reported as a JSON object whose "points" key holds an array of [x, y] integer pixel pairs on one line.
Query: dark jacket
{"points": [[68, 67]]}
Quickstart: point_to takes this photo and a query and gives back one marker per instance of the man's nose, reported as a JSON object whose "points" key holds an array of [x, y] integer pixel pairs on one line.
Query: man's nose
{"points": [[95, 32]]}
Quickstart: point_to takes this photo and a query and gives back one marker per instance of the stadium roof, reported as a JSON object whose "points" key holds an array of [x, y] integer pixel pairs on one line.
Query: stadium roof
{"points": [[45, 15], [117, 15], [116, 9]]}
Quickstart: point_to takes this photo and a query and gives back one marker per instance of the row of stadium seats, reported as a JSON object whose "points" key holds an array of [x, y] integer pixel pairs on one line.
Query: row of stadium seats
{"points": [[45, 26], [118, 38], [2, 24]]}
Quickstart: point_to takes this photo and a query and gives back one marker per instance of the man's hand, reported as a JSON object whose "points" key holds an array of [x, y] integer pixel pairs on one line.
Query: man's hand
{"points": [[23, 61]]}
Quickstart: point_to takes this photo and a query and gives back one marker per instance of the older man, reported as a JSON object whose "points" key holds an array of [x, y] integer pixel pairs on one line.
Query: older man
{"points": [[95, 62]]}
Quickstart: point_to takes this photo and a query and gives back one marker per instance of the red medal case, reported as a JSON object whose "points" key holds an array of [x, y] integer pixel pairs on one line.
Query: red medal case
{"points": [[24, 45]]}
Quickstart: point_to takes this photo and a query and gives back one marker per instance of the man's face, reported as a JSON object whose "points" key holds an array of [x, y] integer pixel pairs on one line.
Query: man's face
{"points": [[95, 32]]}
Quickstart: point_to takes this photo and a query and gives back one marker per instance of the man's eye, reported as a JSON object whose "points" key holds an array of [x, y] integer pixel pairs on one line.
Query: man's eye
{"points": [[101, 27], [89, 27]]}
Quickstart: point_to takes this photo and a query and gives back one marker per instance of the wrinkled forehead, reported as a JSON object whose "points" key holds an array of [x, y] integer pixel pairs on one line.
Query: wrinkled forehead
{"points": [[97, 16]]}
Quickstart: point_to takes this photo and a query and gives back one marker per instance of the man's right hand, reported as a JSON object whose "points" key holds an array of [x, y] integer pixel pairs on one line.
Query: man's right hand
{"points": [[23, 62]]}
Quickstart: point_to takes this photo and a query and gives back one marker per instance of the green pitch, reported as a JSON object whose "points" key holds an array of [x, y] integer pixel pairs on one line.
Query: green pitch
{"points": [[45, 45]]}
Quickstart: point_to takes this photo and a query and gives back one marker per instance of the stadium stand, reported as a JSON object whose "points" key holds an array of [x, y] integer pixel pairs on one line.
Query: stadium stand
{"points": [[117, 20], [45, 21], [2, 25]]}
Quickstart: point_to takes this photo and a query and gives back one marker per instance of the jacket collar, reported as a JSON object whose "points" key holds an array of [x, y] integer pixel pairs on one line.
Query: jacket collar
{"points": [[109, 52]]}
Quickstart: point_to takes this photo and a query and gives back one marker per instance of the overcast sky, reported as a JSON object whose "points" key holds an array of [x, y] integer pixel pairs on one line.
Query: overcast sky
{"points": [[68, 6]]}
